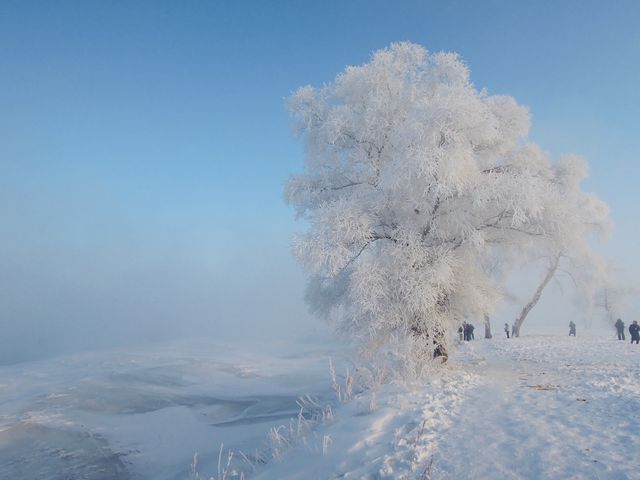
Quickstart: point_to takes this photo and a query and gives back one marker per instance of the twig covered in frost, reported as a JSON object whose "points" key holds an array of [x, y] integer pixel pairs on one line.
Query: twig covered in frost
{"points": [[373, 402], [225, 471], [334, 382], [283, 437], [246, 459], [346, 394], [419, 436], [194, 468], [317, 413], [426, 474], [348, 386], [277, 441], [326, 443]]}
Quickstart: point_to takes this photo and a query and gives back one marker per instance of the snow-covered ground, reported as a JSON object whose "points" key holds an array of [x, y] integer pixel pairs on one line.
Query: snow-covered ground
{"points": [[539, 407], [548, 407]]}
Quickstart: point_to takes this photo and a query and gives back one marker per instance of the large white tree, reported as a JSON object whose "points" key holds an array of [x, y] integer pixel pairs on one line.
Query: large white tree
{"points": [[414, 184]]}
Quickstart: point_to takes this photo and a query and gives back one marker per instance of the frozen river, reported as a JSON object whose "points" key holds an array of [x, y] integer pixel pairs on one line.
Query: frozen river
{"points": [[143, 413]]}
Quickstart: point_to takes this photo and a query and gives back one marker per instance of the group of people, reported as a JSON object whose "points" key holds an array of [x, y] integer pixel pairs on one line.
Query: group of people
{"points": [[513, 330], [466, 331], [634, 330]]}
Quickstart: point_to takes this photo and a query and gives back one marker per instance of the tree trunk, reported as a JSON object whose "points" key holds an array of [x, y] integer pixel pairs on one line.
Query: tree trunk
{"points": [[487, 327], [553, 266], [607, 306]]}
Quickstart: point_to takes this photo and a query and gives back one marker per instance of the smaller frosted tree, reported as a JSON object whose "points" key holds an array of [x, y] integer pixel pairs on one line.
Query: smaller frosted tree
{"points": [[415, 183], [572, 218], [613, 299]]}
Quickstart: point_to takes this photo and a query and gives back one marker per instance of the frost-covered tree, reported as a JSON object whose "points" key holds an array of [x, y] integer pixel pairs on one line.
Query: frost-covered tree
{"points": [[572, 218], [414, 184]]}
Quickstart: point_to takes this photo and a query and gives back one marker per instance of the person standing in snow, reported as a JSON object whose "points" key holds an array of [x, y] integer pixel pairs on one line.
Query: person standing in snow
{"points": [[634, 330], [506, 329], [460, 332], [620, 329], [513, 330], [471, 329], [572, 328]]}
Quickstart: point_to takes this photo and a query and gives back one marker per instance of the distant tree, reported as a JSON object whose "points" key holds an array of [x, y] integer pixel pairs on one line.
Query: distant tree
{"points": [[414, 184], [572, 218], [613, 299], [487, 327], [551, 271]]}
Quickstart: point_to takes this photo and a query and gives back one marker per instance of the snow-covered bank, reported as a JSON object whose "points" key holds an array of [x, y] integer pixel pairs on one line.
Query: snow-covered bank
{"points": [[535, 407]]}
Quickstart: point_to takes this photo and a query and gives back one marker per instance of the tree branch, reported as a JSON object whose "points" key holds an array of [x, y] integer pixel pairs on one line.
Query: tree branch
{"points": [[432, 218], [374, 238], [498, 169]]}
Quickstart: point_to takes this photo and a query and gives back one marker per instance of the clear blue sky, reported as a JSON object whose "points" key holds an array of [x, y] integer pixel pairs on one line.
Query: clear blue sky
{"points": [[144, 145]]}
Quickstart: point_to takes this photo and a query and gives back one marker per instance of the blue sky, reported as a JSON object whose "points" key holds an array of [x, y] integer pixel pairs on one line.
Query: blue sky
{"points": [[144, 146]]}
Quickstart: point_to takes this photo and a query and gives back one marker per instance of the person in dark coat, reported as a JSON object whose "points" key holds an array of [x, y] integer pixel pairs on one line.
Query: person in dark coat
{"points": [[634, 330], [439, 347], [471, 329], [620, 329], [506, 329], [572, 328]]}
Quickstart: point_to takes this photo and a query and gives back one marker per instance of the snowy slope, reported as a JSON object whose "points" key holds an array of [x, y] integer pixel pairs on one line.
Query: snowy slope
{"points": [[543, 407]]}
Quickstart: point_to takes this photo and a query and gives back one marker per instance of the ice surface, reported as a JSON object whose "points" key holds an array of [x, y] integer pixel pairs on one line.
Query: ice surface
{"points": [[143, 413], [32, 450]]}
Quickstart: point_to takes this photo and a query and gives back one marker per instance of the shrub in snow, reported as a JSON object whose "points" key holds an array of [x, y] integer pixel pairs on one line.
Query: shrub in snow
{"points": [[225, 469], [343, 394], [279, 439]]}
